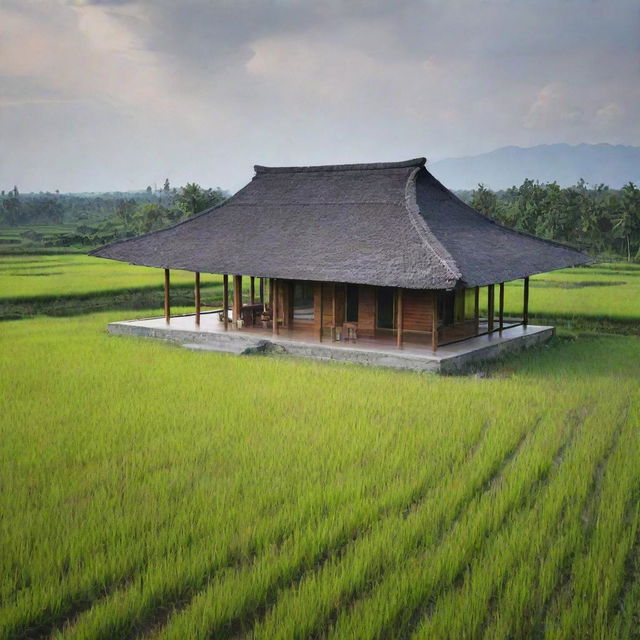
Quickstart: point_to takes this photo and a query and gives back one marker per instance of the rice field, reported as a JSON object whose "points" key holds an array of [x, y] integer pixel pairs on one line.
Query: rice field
{"points": [[151, 492], [597, 292], [54, 276], [609, 292]]}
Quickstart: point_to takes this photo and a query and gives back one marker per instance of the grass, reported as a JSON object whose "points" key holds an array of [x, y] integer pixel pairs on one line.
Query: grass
{"points": [[64, 285], [602, 292], [55, 276], [19, 240], [151, 492]]}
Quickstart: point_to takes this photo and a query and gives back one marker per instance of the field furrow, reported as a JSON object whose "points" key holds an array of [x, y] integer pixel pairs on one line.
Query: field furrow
{"points": [[392, 606], [161, 590], [598, 573], [154, 493], [563, 498], [363, 557]]}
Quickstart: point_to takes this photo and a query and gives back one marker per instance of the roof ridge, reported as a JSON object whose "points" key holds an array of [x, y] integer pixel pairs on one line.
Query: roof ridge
{"points": [[429, 240], [413, 162]]}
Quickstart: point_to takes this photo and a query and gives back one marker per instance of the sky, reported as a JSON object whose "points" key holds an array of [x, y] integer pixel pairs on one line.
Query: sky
{"points": [[100, 95]]}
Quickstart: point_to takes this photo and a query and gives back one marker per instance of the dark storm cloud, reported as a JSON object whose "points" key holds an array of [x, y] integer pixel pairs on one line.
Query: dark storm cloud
{"points": [[202, 90]]}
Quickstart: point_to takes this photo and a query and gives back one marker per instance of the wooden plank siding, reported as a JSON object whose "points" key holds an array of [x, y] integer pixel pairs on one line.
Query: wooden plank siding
{"points": [[418, 310], [366, 311]]}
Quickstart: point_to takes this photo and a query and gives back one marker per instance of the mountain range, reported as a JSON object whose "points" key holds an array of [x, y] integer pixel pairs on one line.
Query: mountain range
{"points": [[614, 165]]}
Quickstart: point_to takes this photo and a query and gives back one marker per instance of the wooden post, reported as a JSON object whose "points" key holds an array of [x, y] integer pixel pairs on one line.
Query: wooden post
{"points": [[252, 290], [321, 305], [399, 320], [274, 306], [525, 308], [237, 300], [334, 328], [501, 307], [476, 309], [167, 300], [197, 298], [225, 300], [262, 291], [288, 305], [434, 322], [491, 301]]}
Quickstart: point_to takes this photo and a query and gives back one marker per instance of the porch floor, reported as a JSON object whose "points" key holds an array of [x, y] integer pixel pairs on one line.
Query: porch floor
{"points": [[416, 352]]}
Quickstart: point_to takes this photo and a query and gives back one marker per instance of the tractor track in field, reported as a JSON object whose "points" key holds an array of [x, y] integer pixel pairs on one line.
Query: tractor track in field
{"points": [[240, 626], [562, 589], [43, 627], [535, 626], [574, 421], [151, 624], [631, 578], [47, 622], [576, 418]]}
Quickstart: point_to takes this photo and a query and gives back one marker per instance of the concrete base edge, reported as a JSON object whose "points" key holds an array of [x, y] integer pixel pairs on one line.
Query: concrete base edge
{"points": [[239, 344]]}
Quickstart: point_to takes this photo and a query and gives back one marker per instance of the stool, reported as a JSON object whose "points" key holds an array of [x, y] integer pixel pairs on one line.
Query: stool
{"points": [[350, 331]]}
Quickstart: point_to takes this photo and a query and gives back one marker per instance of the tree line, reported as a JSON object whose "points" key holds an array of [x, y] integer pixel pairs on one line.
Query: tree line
{"points": [[94, 219], [601, 221]]}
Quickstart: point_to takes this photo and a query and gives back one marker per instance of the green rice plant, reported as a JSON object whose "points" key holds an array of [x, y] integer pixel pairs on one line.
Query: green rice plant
{"points": [[465, 610], [55, 276], [149, 491]]}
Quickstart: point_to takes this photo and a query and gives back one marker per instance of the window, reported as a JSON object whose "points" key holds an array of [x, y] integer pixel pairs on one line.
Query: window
{"points": [[352, 303], [385, 308], [303, 301], [446, 307]]}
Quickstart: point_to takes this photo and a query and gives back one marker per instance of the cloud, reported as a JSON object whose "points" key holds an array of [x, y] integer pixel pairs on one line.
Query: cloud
{"points": [[551, 106], [203, 89]]}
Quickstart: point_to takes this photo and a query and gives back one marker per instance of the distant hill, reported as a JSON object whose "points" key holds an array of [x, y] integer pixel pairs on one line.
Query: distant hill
{"points": [[614, 165]]}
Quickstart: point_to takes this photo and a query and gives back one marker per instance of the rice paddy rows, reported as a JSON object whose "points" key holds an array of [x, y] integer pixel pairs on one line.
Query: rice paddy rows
{"points": [[154, 493]]}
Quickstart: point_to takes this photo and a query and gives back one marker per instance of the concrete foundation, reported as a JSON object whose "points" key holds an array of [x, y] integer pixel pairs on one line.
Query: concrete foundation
{"points": [[452, 358]]}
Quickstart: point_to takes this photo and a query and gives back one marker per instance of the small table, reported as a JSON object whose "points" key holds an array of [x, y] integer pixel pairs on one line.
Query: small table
{"points": [[249, 312]]}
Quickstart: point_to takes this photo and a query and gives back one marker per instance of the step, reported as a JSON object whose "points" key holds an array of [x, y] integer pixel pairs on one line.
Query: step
{"points": [[244, 347]]}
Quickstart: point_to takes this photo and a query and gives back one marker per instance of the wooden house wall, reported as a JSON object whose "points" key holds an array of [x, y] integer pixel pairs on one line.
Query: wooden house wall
{"points": [[417, 310], [366, 311], [328, 289]]}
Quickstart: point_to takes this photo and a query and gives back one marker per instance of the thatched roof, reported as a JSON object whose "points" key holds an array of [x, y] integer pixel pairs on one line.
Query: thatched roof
{"points": [[390, 224]]}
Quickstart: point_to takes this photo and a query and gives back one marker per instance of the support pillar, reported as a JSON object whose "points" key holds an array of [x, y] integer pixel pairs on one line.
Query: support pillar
{"points": [[262, 291], [274, 306], [525, 306], [237, 300], [434, 323], [225, 300], [334, 328], [399, 320], [501, 307], [197, 298], [252, 290], [491, 302], [321, 310], [476, 309], [167, 299]]}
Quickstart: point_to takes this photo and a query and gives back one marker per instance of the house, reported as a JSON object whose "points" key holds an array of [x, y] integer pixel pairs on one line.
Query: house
{"points": [[362, 258]]}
